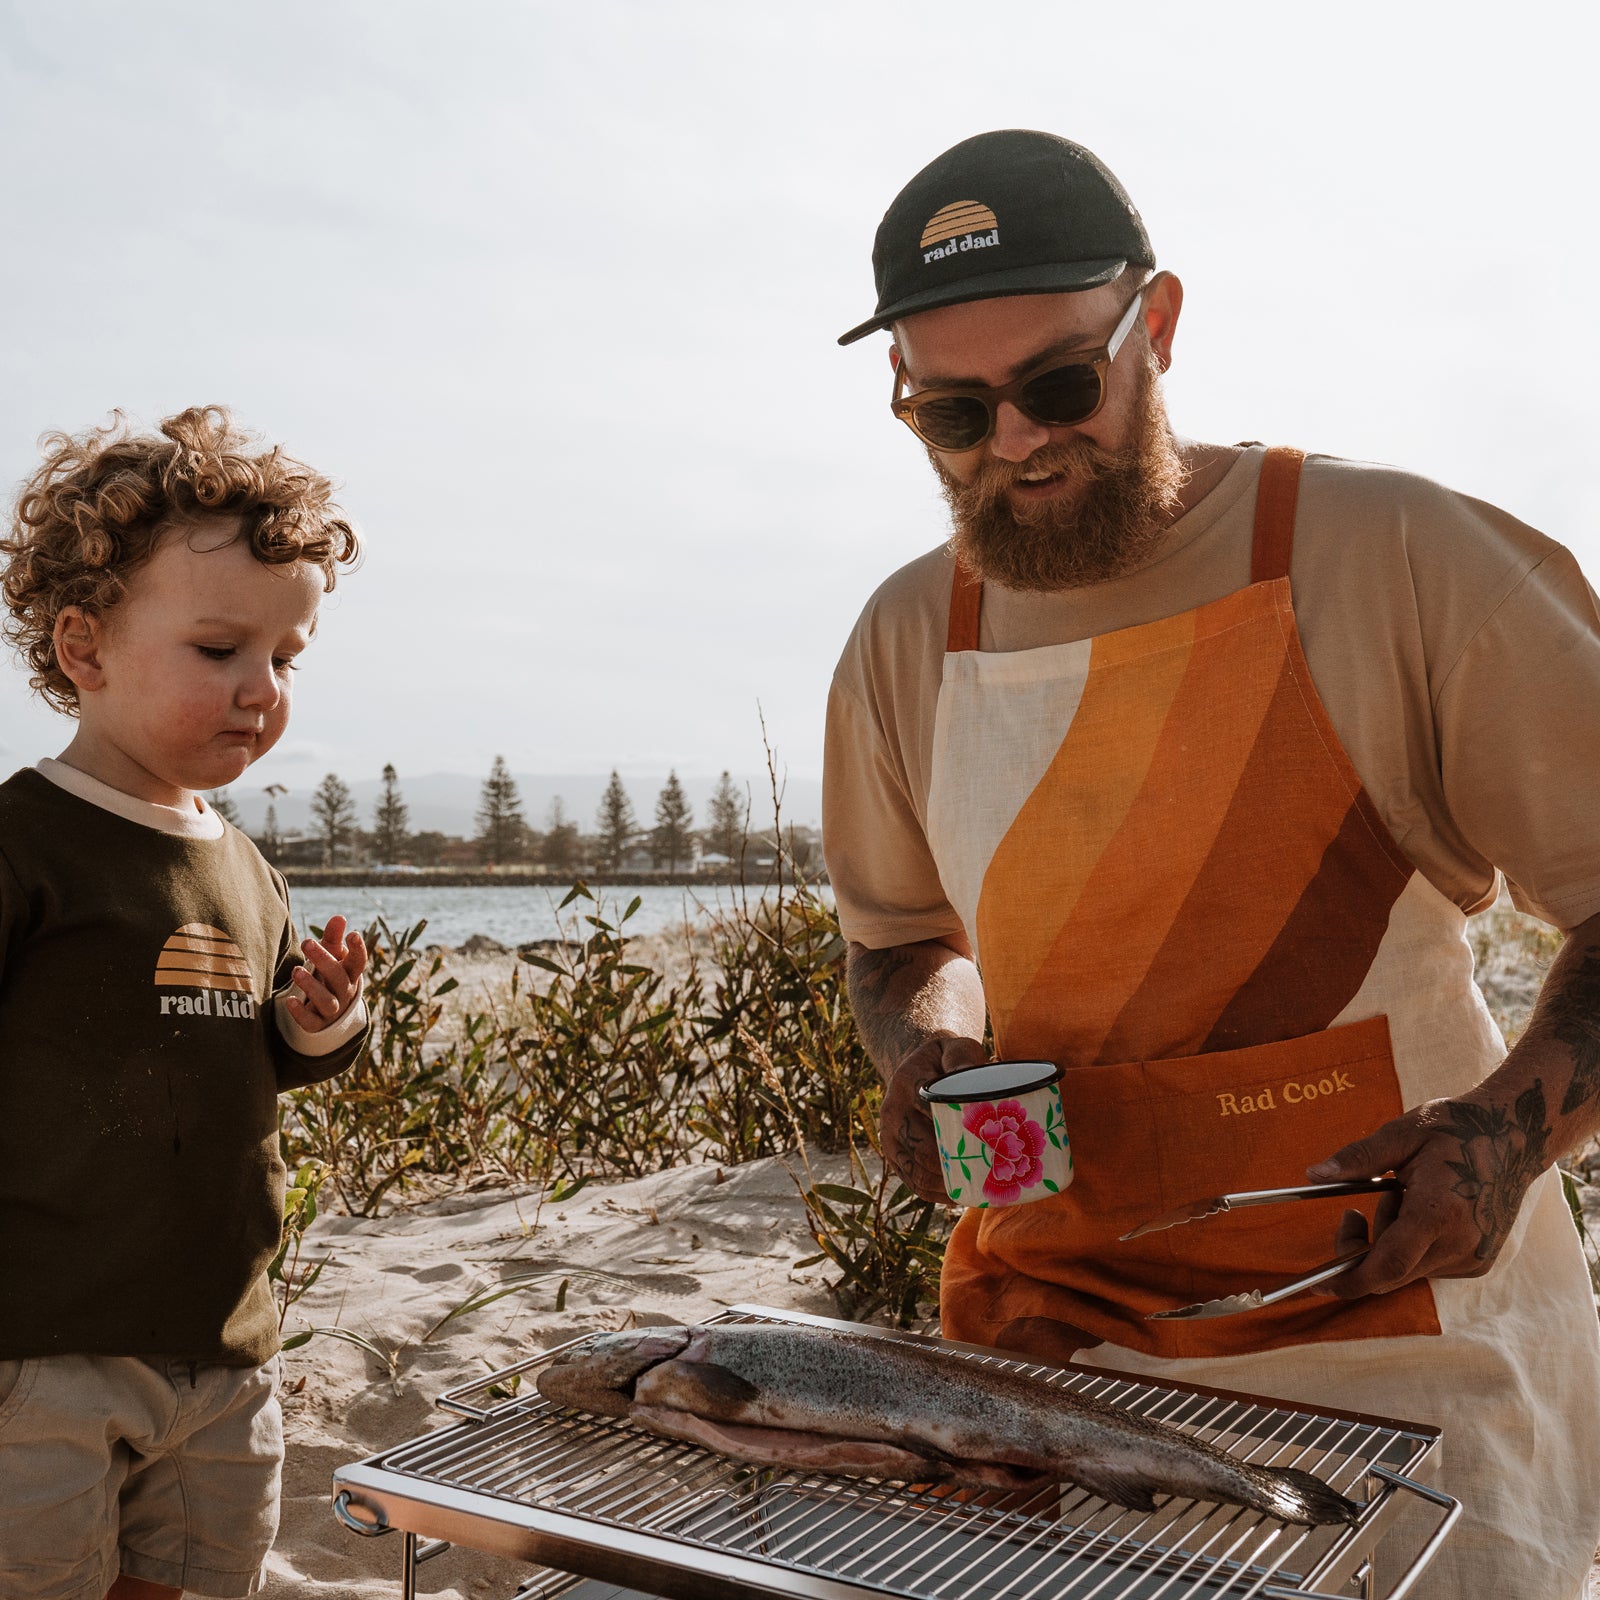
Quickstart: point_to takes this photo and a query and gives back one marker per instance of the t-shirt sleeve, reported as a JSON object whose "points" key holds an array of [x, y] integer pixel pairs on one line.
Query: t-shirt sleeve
{"points": [[885, 883], [300, 1057], [1518, 721]]}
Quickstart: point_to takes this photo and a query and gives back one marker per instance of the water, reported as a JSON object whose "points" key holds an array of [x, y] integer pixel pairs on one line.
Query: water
{"points": [[510, 915]]}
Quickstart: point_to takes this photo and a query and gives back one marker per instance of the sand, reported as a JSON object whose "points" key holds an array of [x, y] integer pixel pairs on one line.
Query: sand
{"points": [[676, 1246]]}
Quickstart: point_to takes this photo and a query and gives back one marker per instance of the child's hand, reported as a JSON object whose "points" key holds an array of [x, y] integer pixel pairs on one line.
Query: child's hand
{"points": [[330, 983]]}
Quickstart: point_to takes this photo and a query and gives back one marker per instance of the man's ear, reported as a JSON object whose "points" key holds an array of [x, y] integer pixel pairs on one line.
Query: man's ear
{"points": [[76, 639], [894, 357], [1162, 305]]}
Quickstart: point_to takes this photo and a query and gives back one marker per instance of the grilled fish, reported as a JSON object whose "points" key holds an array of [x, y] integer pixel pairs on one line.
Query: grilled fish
{"points": [[885, 1408]]}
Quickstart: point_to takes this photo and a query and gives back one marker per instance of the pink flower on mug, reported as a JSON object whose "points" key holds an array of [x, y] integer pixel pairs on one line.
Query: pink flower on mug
{"points": [[1017, 1142]]}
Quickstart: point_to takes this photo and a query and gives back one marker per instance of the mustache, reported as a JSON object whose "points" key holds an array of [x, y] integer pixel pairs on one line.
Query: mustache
{"points": [[1080, 460]]}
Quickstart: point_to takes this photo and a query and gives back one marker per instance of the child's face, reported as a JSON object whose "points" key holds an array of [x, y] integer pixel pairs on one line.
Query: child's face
{"points": [[195, 661]]}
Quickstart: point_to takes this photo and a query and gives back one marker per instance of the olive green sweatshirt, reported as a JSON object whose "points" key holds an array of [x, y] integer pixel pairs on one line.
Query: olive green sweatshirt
{"points": [[141, 1057]]}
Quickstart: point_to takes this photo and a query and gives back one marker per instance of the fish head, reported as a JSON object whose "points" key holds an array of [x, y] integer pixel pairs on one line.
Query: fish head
{"points": [[599, 1374]]}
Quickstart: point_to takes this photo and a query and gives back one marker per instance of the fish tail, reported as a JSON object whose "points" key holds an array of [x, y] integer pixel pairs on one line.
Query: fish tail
{"points": [[1303, 1497]]}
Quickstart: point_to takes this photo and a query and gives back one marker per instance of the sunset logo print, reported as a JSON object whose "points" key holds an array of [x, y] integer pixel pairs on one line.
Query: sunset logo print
{"points": [[205, 961], [1007, 1145], [963, 225]]}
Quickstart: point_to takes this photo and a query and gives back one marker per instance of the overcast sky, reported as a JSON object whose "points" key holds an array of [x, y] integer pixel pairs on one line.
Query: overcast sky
{"points": [[553, 290]]}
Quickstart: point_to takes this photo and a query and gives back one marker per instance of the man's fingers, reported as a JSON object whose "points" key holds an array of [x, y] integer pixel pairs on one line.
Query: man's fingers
{"points": [[355, 956], [954, 1054], [1380, 1152], [908, 1136], [909, 1139], [1352, 1231], [1392, 1261]]}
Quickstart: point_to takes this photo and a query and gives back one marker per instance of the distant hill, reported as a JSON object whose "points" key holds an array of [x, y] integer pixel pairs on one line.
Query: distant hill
{"points": [[447, 801]]}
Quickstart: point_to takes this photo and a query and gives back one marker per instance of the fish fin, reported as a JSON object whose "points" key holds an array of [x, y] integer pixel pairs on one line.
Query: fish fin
{"points": [[1303, 1497], [724, 1383], [1122, 1486], [698, 1386]]}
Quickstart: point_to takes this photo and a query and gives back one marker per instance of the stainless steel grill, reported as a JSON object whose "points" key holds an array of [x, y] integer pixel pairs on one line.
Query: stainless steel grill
{"points": [[583, 1494]]}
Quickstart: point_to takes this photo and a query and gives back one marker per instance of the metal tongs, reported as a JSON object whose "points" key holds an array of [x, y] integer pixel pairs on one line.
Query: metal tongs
{"points": [[1253, 1299]]}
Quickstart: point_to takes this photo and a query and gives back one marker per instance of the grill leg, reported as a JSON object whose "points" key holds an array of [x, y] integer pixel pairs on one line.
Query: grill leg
{"points": [[408, 1567], [413, 1552]]}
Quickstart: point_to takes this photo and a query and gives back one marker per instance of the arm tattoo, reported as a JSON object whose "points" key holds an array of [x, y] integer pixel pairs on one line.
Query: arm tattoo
{"points": [[1502, 1155], [1575, 1013], [879, 1008]]}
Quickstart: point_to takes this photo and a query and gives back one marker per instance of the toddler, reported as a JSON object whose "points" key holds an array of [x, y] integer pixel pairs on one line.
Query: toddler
{"points": [[153, 1005]]}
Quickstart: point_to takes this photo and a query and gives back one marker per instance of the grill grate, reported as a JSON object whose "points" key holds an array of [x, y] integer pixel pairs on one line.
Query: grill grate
{"points": [[655, 1511]]}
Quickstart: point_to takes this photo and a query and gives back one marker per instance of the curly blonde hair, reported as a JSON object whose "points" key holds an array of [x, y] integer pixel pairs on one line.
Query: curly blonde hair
{"points": [[100, 502]]}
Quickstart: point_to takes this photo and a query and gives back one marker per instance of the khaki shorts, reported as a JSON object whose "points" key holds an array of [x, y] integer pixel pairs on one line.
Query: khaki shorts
{"points": [[116, 1464]]}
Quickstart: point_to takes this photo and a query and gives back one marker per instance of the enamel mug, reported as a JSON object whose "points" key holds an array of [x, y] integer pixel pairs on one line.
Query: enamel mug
{"points": [[1002, 1139]]}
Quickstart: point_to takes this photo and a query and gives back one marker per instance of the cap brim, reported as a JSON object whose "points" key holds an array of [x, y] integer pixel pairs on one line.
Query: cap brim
{"points": [[1051, 278]]}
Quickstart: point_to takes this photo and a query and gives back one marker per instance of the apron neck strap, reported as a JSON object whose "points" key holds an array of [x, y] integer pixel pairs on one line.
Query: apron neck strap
{"points": [[1275, 501], [966, 601]]}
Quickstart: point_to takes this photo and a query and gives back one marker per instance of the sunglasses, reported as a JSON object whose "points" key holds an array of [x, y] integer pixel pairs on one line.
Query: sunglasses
{"points": [[1055, 393]]}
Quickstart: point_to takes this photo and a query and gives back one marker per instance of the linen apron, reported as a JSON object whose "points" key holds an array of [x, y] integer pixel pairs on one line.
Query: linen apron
{"points": [[1176, 887]]}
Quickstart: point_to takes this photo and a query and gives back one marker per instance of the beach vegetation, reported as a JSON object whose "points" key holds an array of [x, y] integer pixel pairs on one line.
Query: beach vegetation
{"points": [[593, 1063]]}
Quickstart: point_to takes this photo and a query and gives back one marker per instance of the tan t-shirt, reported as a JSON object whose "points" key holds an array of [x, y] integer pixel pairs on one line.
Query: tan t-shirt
{"points": [[1457, 652]]}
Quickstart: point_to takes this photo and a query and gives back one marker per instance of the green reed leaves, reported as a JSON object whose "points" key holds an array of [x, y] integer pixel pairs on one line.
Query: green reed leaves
{"points": [[593, 1064]]}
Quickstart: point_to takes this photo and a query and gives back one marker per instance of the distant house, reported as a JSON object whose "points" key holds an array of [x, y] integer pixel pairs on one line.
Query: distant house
{"points": [[636, 858]]}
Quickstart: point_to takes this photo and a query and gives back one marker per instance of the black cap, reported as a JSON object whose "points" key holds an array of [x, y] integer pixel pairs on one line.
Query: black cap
{"points": [[1010, 212]]}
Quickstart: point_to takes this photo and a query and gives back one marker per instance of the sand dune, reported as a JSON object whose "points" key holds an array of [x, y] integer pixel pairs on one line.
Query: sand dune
{"points": [[672, 1247]]}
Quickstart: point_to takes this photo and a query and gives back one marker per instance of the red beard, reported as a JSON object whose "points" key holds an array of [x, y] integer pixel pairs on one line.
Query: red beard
{"points": [[1105, 524]]}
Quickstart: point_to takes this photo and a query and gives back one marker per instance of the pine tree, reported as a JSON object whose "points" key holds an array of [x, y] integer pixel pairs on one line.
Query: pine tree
{"points": [[334, 813], [727, 820], [222, 803], [271, 841], [391, 820], [560, 836], [670, 839], [615, 823], [501, 834]]}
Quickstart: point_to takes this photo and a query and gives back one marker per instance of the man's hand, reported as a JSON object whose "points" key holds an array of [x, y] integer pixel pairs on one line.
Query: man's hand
{"points": [[1465, 1163], [919, 1010], [909, 1141], [330, 982]]}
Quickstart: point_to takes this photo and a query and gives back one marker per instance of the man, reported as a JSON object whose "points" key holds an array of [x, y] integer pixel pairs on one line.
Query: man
{"points": [[1203, 754]]}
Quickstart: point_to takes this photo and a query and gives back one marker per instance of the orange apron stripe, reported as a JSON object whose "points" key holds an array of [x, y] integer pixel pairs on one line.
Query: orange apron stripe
{"points": [[1096, 776], [1249, 891], [1326, 946], [1119, 922]]}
